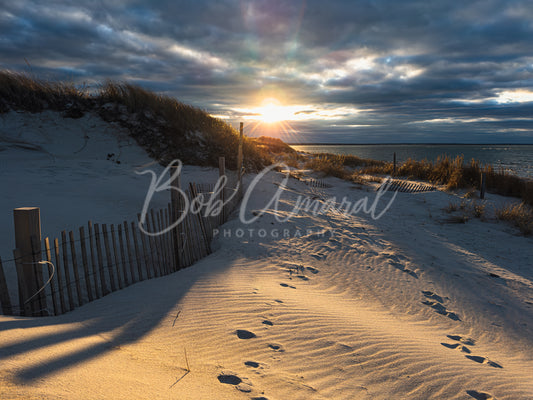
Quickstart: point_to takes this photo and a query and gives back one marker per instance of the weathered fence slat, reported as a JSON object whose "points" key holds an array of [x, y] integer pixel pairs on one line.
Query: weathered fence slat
{"points": [[85, 264], [115, 253], [67, 271], [25, 307], [130, 254], [162, 243], [53, 289], [137, 252], [97, 288], [154, 245], [122, 255], [59, 280], [108, 258], [40, 297], [4, 293], [103, 284], [156, 242], [168, 236], [75, 267], [147, 256]]}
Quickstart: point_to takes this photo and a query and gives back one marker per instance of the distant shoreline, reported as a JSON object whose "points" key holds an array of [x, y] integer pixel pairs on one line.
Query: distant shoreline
{"points": [[410, 144]]}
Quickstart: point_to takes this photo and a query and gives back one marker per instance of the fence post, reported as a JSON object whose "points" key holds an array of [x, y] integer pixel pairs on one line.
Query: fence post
{"points": [[394, 164], [221, 173], [175, 208], [30, 275], [239, 157], [483, 186], [4, 293]]}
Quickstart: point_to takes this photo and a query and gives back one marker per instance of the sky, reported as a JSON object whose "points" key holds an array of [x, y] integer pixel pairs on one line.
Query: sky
{"points": [[376, 71]]}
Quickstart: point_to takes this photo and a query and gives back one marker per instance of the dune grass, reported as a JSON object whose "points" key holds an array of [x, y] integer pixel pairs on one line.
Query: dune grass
{"points": [[339, 165], [183, 131], [519, 215], [455, 173]]}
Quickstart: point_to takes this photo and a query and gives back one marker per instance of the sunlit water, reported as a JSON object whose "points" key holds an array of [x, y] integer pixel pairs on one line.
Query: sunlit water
{"points": [[516, 159]]}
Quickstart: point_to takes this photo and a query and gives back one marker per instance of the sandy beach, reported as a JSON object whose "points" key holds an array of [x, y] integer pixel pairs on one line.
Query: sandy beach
{"points": [[327, 306]]}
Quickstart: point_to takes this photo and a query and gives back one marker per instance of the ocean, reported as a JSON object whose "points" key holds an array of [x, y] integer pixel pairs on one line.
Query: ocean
{"points": [[515, 159]]}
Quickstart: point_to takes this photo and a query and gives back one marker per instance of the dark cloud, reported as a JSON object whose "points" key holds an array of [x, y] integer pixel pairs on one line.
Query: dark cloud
{"points": [[394, 71]]}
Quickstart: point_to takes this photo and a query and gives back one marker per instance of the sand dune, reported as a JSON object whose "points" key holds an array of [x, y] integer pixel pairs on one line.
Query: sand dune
{"points": [[398, 308]]}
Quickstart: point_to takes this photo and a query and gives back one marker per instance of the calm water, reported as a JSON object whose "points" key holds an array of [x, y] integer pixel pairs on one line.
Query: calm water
{"points": [[517, 159]]}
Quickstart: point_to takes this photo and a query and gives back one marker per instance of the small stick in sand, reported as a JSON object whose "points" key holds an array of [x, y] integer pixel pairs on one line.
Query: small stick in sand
{"points": [[187, 360], [177, 315]]}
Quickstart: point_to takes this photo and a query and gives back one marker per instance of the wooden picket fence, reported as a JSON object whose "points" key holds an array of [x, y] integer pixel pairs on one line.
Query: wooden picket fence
{"points": [[97, 259]]}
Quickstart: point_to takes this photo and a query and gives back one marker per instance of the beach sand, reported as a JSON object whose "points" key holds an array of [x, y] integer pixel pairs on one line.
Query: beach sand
{"points": [[326, 306]]}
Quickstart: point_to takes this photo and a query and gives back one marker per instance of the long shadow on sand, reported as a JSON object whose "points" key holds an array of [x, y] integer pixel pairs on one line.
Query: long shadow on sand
{"points": [[120, 318]]}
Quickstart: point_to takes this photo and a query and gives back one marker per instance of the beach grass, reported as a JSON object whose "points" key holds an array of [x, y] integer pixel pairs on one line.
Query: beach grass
{"points": [[519, 215], [454, 173], [164, 126]]}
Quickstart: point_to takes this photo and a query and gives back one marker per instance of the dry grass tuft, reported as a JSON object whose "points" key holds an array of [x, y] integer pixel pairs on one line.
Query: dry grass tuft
{"points": [[329, 164], [521, 215]]}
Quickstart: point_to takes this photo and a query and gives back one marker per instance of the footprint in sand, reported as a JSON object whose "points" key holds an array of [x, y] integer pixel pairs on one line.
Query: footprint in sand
{"points": [[457, 346], [438, 306], [312, 270], [431, 295], [286, 285], [480, 395], [244, 334], [259, 398], [302, 277], [267, 322], [402, 268], [276, 347], [462, 339], [230, 378], [252, 364], [484, 360]]}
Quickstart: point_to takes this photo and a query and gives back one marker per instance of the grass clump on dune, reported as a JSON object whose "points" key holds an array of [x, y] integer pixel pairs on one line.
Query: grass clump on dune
{"points": [[165, 127], [518, 214]]}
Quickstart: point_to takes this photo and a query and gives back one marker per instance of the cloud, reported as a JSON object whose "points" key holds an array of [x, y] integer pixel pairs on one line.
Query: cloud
{"points": [[381, 70]]}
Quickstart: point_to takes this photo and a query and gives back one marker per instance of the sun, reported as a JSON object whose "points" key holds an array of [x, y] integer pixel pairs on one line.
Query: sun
{"points": [[272, 111]]}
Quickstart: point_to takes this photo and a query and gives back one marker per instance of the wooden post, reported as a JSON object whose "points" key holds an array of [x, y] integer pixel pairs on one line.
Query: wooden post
{"points": [[222, 172], [4, 293], [483, 186], [394, 164], [239, 157], [27, 224]]}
